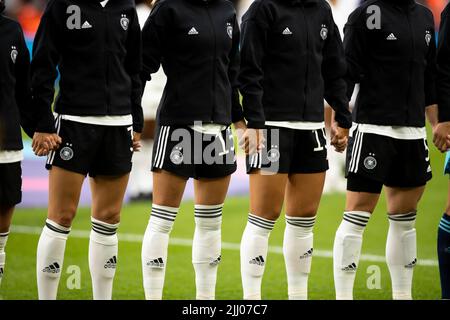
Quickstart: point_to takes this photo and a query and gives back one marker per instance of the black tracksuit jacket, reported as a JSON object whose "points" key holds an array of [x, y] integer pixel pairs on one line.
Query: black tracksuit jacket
{"points": [[443, 66], [98, 54], [197, 44], [291, 59], [14, 86], [395, 64]]}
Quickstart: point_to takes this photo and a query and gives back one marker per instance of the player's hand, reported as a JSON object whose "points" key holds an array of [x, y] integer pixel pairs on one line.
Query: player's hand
{"points": [[339, 138], [252, 141], [137, 145], [43, 143], [441, 136]]}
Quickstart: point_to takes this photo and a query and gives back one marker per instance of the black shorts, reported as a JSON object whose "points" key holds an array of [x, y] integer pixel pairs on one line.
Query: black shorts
{"points": [[191, 154], [10, 184], [291, 151], [93, 149], [375, 160]]}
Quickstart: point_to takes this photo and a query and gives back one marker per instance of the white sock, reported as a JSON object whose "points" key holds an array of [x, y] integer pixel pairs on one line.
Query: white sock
{"points": [[298, 251], [154, 250], [50, 258], [254, 247], [401, 254], [206, 249], [3, 240], [103, 249], [346, 252]]}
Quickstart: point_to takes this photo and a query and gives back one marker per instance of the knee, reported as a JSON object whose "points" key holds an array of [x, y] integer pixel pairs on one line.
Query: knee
{"points": [[108, 215], [64, 217]]}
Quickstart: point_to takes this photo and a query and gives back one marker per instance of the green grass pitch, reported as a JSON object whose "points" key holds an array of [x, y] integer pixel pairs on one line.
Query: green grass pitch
{"points": [[20, 281]]}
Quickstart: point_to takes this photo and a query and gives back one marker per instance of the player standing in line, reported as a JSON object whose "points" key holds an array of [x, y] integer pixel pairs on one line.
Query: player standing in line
{"points": [[96, 46], [197, 43], [14, 111], [291, 59], [390, 49], [442, 142]]}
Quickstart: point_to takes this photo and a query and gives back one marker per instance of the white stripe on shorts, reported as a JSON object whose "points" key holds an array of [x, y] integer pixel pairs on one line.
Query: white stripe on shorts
{"points": [[162, 144], [51, 155]]}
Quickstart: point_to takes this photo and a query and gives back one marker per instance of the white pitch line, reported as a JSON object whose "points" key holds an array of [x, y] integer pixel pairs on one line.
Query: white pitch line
{"points": [[130, 237]]}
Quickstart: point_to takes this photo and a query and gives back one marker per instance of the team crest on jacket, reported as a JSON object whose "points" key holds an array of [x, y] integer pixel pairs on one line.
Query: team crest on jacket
{"points": [[14, 54], [324, 32], [124, 22], [230, 30], [428, 37]]}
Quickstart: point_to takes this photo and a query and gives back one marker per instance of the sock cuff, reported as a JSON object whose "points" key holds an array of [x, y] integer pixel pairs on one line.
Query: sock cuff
{"points": [[165, 208], [164, 213], [53, 226], [444, 224], [103, 238], [359, 218], [411, 216], [303, 222], [4, 234], [104, 228], [205, 211], [261, 222]]}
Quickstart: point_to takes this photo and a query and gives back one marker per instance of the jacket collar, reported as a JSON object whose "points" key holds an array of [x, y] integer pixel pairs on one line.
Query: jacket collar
{"points": [[402, 3], [202, 2], [301, 2]]}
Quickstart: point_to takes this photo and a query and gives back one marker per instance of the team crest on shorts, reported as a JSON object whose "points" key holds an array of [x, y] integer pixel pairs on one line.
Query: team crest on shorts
{"points": [[324, 32], [124, 22], [176, 156], [14, 54], [273, 154], [66, 153], [370, 162], [230, 30], [428, 37]]}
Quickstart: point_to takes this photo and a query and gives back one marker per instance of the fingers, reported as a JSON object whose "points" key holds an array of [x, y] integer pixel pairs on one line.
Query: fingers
{"points": [[137, 146]]}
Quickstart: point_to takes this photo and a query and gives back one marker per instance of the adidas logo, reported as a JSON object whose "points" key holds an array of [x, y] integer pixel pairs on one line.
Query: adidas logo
{"points": [[86, 25], [429, 169], [53, 268], [215, 262], [412, 264], [391, 37], [308, 254], [351, 267], [287, 31], [193, 32], [157, 263], [258, 261], [111, 263]]}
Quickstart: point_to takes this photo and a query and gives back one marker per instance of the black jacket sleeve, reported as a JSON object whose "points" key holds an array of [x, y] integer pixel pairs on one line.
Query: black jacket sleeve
{"points": [[44, 70], [253, 47], [133, 65], [430, 73], [443, 68], [233, 73], [23, 89], [354, 44], [152, 35], [334, 69]]}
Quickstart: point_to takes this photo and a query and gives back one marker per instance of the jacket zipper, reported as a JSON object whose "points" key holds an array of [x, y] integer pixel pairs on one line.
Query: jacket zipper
{"points": [[411, 62], [307, 61], [214, 62]]}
